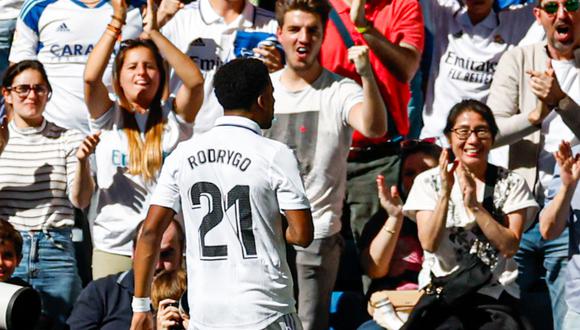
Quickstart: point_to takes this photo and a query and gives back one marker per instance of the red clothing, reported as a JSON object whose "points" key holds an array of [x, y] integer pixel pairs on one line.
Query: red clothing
{"points": [[399, 21]]}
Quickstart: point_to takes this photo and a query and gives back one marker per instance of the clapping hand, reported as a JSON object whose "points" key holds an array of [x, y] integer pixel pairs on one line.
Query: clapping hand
{"points": [[545, 85], [468, 186], [390, 198], [150, 18], [447, 174], [569, 164]]}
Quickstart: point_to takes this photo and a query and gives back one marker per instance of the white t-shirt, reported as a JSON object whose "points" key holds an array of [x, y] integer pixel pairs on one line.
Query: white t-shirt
{"points": [[122, 199], [61, 34], [511, 193], [554, 130], [202, 34], [313, 122], [9, 9], [465, 56], [232, 183]]}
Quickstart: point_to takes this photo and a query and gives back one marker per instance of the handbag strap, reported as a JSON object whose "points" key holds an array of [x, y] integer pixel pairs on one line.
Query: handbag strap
{"points": [[342, 30], [490, 181]]}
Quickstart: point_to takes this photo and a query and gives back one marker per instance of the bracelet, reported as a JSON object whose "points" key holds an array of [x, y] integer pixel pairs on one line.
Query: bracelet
{"points": [[141, 305], [362, 29], [118, 19], [388, 230], [114, 29]]}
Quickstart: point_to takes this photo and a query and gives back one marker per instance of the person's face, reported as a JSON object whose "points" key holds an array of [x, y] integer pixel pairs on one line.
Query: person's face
{"points": [[478, 9], [170, 254], [9, 260], [266, 102], [413, 165], [139, 75], [301, 36], [472, 150], [562, 27], [28, 96]]}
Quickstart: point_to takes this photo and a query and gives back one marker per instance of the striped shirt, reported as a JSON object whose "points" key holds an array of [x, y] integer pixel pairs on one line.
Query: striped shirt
{"points": [[37, 169]]}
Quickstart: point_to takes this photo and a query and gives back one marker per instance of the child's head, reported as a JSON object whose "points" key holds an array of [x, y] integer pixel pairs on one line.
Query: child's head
{"points": [[168, 285], [10, 250]]}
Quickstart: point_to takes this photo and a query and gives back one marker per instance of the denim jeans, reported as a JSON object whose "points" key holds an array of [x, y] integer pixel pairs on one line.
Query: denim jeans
{"points": [[540, 259], [7, 27], [49, 265]]}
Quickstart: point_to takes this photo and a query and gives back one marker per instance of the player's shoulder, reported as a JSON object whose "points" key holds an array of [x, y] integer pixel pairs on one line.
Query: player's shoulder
{"points": [[31, 10]]}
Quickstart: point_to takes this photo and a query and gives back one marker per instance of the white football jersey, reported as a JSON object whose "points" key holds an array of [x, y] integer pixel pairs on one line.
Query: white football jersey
{"points": [[232, 183], [61, 34]]}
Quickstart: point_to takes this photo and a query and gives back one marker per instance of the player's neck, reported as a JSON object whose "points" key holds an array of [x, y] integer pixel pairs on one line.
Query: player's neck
{"points": [[91, 3], [228, 9], [296, 80]]}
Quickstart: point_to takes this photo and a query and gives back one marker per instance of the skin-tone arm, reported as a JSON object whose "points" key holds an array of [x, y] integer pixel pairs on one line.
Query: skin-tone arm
{"points": [[168, 9], [430, 224], [370, 116], [146, 254], [96, 93], [300, 229], [4, 134], [504, 238], [555, 215], [83, 184], [376, 258], [401, 60], [190, 95]]}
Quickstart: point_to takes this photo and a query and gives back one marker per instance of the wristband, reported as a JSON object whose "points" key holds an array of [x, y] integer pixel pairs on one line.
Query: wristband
{"points": [[389, 230], [114, 29], [362, 29], [118, 19], [141, 305]]}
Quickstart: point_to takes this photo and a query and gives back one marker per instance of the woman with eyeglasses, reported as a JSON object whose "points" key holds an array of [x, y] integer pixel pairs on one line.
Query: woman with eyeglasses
{"points": [[138, 129], [44, 174], [470, 206]]}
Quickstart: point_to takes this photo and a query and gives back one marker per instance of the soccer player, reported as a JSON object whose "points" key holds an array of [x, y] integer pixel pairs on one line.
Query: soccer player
{"points": [[232, 184]]}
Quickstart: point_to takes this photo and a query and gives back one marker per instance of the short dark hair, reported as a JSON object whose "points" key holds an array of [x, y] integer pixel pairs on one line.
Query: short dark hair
{"points": [[240, 82], [9, 234], [427, 148], [475, 106], [179, 228], [16, 69], [317, 7]]}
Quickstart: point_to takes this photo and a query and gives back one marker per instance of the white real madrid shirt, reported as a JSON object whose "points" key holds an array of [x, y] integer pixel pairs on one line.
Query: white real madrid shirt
{"points": [[232, 183], [61, 34], [465, 56], [198, 31]]}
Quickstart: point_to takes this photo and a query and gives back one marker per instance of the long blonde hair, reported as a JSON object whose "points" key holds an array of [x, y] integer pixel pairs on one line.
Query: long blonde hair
{"points": [[145, 157]]}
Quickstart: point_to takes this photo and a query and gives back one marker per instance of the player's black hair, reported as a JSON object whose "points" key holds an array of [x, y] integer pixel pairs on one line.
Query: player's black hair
{"points": [[240, 82]]}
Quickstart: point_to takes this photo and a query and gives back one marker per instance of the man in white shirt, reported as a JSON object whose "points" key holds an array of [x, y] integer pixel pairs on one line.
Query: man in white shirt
{"points": [[534, 96], [316, 111], [232, 184], [210, 32]]}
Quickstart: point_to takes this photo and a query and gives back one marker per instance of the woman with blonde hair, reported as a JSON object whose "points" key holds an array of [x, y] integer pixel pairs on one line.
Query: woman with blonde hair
{"points": [[138, 130]]}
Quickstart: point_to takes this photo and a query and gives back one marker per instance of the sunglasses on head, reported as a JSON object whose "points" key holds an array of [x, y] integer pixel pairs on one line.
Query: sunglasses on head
{"points": [[551, 7]]}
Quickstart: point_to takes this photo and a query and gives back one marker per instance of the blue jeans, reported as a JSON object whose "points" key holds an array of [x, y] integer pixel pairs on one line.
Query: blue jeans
{"points": [[7, 27], [49, 265], [539, 259]]}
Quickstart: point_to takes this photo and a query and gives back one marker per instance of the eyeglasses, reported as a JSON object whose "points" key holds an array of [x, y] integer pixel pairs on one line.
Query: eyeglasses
{"points": [[463, 133], [24, 90], [551, 7]]}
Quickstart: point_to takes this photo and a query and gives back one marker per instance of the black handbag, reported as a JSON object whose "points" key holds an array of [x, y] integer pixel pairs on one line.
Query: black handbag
{"points": [[445, 292]]}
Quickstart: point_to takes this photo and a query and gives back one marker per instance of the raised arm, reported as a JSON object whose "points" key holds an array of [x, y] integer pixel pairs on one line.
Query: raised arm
{"points": [[402, 59], [503, 236], [376, 258], [300, 229], [370, 116], [430, 224], [83, 184], [554, 217], [146, 253], [190, 95], [96, 93]]}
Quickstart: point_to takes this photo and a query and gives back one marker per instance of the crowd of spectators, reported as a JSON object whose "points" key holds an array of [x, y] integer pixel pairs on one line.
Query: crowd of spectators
{"points": [[96, 94]]}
